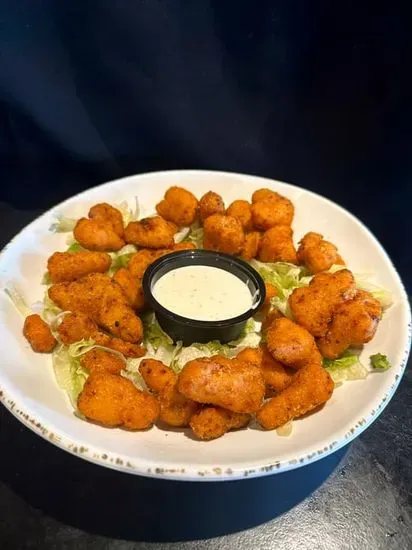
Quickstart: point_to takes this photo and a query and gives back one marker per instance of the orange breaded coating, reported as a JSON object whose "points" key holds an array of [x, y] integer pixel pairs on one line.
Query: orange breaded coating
{"points": [[126, 348], [141, 260], [311, 386], [97, 235], [223, 234], [175, 409], [182, 246], [271, 292], [277, 245], [251, 245], [101, 361], [212, 422], [230, 384], [211, 203], [263, 195], [277, 210], [103, 300], [78, 326], [156, 374], [317, 254], [313, 306], [104, 212], [179, 206], [38, 334], [275, 375], [273, 314], [112, 400], [75, 327], [132, 287], [291, 344], [242, 211], [153, 232], [67, 266], [354, 323]]}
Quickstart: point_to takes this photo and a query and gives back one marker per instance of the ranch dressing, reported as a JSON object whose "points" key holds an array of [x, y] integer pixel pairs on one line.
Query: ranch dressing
{"points": [[203, 293]]}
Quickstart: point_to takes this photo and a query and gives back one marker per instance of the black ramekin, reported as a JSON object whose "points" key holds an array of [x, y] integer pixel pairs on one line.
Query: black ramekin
{"points": [[190, 331]]}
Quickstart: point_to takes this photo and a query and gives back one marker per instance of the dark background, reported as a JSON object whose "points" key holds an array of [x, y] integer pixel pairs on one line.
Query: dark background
{"points": [[316, 93]]}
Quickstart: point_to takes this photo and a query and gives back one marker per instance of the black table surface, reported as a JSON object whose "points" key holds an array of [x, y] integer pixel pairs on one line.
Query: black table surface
{"points": [[359, 497]]}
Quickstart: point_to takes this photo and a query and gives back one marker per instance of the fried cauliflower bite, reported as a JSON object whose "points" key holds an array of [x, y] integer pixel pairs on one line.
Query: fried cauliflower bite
{"points": [[78, 326], [175, 409], [112, 400], [275, 375], [132, 287], [277, 245], [97, 235], [103, 300], [38, 334], [354, 323], [211, 203], [104, 212], [223, 234], [75, 327], [313, 306], [263, 195], [251, 245], [67, 266], [291, 344], [242, 211], [231, 384], [277, 210], [311, 387], [156, 374], [317, 254], [153, 232], [141, 260], [212, 422], [179, 206], [101, 361]]}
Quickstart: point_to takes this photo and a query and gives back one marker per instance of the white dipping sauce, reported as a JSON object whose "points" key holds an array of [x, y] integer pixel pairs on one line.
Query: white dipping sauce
{"points": [[203, 293]]}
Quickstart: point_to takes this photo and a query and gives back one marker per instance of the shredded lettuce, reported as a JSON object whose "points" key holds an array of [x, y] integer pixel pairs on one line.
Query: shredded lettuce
{"points": [[182, 235], [347, 367], [75, 247], [129, 214], [17, 299], [50, 309], [195, 235], [70, 375], [285, 278], [63, 224], [122, 257], [379, 361], [135, 377]]}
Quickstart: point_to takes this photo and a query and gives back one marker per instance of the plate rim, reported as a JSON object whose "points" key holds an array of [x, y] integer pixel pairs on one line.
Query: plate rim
{"points": [[120, 462]]}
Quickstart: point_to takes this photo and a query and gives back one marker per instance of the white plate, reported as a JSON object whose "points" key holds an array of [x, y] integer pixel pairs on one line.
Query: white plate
{"points": [[28, 388]]}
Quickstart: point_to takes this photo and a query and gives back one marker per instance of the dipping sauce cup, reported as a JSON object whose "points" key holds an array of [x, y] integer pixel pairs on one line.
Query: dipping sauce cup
{"points": [[190, 330]]}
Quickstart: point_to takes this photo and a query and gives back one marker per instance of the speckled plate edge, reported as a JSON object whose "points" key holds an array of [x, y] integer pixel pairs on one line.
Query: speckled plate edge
{"points": [[216, 473]]}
